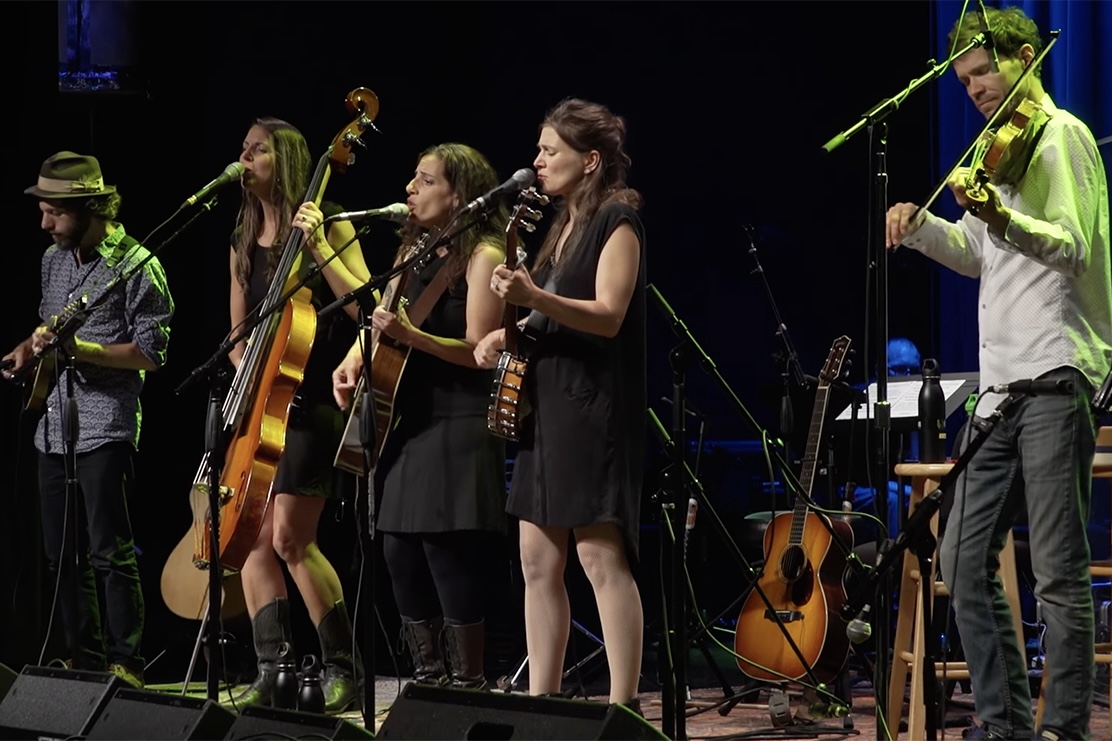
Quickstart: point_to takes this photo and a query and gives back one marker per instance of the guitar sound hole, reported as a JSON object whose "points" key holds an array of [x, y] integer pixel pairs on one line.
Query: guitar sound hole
{"points": [[793, 562]]}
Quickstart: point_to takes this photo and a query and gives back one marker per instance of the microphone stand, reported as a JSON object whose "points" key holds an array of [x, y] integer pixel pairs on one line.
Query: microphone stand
{"points": [[680, 484], [918, 537], [874, 120], [792, 370]]}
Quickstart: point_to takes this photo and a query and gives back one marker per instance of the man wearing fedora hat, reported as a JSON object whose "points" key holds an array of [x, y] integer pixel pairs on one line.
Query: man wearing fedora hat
{"points": [[125, 335]]}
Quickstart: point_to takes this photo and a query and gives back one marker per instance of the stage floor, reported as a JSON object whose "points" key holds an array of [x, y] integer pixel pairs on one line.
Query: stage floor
{"points": [[744, 720]]}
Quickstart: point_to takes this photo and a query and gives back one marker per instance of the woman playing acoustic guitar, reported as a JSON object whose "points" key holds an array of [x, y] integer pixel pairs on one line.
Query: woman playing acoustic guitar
{"points": [[278, 164], [440, 474]]}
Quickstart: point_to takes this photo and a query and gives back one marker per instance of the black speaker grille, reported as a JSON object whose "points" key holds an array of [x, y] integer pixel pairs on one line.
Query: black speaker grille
{"points": [[56, 703]]}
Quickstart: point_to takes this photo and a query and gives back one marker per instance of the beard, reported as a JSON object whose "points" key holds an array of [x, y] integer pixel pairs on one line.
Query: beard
{"points": [[81, 226]]}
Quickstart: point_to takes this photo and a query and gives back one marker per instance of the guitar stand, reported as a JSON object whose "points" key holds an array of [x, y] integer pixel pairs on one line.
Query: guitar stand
{"points": [[687, 494], [209, 633], [508, 683]]}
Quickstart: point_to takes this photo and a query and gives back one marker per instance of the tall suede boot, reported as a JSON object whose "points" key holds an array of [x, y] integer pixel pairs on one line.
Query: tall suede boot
{"points": [[465, 654], [341, 665], [423, 639], [271, 629]]}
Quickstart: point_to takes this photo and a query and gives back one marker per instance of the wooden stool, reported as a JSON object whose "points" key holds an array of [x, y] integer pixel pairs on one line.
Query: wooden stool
{"points": [[1102, 652], [909, 644]]}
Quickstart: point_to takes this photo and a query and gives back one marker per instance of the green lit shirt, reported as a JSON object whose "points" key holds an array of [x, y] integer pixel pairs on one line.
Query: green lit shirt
{"points": [[1045, 296], [137, 310]]}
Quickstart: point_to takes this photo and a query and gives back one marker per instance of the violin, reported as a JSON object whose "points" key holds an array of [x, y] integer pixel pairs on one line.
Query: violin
{"points": [[1002, 155]]}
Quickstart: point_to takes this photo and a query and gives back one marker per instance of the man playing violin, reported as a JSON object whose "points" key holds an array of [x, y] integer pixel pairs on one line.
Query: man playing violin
{"points": [[121, 339], [1039, 243]]}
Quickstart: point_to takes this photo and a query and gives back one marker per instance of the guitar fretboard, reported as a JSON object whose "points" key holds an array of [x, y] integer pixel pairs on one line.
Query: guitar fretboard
{"points": [[810, 462]]}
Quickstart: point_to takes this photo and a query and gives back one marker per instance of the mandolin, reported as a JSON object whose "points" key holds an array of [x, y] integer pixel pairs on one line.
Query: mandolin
{"points": [[802, 575]]}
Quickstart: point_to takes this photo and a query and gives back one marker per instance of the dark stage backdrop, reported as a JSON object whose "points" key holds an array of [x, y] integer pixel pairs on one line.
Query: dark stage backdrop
{"points": [[727, 105]]}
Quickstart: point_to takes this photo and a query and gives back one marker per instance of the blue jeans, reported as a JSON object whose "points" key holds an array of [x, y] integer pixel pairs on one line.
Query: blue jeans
{"points": [[1040, 454]]}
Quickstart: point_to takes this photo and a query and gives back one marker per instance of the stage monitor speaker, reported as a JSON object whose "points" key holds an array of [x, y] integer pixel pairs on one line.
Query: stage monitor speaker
{"points": [[45, 702], [425, 712], [138, 715], [272, 723], [7, 679]]}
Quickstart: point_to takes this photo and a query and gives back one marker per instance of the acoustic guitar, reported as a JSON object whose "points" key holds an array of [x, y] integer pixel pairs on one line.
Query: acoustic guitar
{"points": [[802, 576], [508, 405], [388, 361]]}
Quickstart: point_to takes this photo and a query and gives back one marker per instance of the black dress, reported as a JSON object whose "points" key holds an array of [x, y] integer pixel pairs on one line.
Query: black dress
{"points": [[580, 460], [441, 469], [316, 424]]}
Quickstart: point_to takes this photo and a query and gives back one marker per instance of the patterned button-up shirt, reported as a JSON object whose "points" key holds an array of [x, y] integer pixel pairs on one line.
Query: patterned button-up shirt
{"points": [[1045, 296], [138, 310]]}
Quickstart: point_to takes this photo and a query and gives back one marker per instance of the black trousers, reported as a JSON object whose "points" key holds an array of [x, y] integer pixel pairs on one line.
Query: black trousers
{"points": [[436, 574], [105, 556]]}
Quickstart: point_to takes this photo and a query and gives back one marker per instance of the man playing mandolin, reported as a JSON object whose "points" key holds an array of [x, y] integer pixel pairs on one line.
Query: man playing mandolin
{"points": [[1039, 242], [122, 338]]}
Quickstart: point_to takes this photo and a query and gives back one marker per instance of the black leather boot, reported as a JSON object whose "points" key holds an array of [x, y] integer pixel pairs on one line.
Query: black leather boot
{"points": [[341, 665], [423, 639], [465, 654], [271, 629]]}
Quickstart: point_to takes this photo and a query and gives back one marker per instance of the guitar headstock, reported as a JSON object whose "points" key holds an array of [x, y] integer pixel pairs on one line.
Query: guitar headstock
{"points": [[524, 216], [835, 361], [364, 104]]}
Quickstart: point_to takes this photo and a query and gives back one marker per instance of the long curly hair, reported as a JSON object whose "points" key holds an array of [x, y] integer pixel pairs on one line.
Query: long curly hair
{"points": [[469, 175], [587, 126], [292, 164]]}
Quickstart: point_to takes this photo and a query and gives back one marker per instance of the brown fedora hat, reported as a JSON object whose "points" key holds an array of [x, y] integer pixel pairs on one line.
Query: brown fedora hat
{"points": [[70, 175]]}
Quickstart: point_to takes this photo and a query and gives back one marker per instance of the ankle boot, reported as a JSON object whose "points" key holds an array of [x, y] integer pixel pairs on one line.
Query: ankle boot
{"points": [[423, 639], [341, 664], [465, 654], [271, 629]]}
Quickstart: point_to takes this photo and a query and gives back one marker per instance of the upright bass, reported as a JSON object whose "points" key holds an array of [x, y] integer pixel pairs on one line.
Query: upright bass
{"points": [[255, 412]]}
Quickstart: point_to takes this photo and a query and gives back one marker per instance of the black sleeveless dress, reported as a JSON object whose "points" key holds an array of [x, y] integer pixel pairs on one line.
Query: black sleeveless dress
{"points": [[581, 457], [316, 424], [441, 469]]}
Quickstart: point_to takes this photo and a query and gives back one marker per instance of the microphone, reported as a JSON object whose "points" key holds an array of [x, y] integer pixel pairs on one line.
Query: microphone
{"points": [[859, 629], [990, 45], [231, 173], [520, 180], [397, 212], [1044, 387]]}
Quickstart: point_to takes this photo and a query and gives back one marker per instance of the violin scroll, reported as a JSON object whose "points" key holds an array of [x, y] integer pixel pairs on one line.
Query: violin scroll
{"points": [[363, 103]]}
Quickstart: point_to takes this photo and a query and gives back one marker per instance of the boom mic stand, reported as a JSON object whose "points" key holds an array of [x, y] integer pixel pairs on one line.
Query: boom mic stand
{"points": [[682, 486], [874, 120], [917, 537], [792, 370]]}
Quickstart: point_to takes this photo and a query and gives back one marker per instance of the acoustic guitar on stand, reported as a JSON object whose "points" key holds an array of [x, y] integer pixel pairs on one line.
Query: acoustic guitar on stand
{"points": [[508, 405], [802, 575]]}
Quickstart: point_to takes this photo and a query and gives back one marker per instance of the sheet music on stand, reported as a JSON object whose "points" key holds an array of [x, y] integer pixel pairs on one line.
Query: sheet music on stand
{"points": [[903, 397]]}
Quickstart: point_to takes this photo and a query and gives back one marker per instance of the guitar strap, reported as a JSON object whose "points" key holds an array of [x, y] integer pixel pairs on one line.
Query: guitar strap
{"points": [[422, 307]]}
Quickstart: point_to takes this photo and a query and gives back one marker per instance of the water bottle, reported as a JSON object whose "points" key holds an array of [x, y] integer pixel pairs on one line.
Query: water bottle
{"points": [[311, 697], [284, 693], [932, 415]]}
